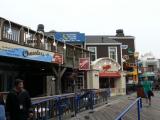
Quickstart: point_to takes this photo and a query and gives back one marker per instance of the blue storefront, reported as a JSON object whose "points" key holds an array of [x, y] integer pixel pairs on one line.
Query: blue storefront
{"points": [[30, 64]]}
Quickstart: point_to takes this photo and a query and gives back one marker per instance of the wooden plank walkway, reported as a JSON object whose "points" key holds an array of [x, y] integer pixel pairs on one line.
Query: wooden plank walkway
{"points": [[113, 109]]}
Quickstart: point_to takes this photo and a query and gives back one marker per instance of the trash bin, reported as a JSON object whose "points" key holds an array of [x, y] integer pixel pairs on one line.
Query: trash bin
{"points": [[140, 91]]}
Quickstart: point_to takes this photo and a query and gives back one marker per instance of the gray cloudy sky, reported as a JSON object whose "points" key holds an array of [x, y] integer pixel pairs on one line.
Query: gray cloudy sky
{"points": [[139, 18]]}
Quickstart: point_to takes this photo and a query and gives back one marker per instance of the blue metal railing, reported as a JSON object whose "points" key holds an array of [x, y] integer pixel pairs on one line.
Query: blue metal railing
{"points": [[139, 106], [58, 106]]}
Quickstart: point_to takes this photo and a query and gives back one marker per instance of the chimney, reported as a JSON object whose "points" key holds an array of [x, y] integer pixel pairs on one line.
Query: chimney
{"points": [[40, 28], [119, 33]]}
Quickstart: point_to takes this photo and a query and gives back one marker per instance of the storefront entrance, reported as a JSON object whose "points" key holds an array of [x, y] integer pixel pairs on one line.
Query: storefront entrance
{"points": [[107, 82]]}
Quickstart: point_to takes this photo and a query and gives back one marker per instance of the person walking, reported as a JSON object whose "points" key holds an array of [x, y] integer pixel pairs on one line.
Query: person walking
{"points": [[147, 87], [18, 103]]}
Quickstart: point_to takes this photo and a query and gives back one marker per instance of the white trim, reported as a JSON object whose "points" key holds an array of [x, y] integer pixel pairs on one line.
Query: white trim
{"points": [[114, 37], [109, 52], [121, 57], [95, 50], [103, 43]]}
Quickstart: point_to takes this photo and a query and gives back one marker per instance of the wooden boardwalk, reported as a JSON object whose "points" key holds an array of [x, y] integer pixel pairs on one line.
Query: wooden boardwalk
{"points": [[115, 106]]}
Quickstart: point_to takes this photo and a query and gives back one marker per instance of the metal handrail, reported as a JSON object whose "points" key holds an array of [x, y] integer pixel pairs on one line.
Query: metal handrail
{"points": [[59, 106], [139, 106]]}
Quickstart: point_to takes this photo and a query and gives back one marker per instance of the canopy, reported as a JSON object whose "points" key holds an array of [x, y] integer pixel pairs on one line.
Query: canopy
{"points": [[110, 74]]}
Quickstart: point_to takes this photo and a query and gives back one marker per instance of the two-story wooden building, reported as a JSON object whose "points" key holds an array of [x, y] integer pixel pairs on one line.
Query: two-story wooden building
{"points": [[129, 55], [47, 67], [107, 64]]}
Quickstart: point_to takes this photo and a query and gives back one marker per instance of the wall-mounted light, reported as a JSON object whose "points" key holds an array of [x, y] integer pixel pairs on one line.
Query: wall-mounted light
{"points": [[42, 40], [10, 27], [28, 35], [64, 47], [54, 41]]}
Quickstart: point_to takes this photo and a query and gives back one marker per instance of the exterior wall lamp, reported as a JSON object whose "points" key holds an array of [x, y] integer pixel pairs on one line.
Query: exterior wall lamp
{"points": [[28, 35], [10, 27], [56, 43], [64, 47]]}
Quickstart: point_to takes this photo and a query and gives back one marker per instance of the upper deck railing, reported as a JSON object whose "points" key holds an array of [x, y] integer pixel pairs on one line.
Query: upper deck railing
{"points": [[18, 34]]}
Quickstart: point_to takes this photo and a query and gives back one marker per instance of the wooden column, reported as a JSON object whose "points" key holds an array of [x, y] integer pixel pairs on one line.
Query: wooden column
{"points": [[1, 28], [59, 73]]}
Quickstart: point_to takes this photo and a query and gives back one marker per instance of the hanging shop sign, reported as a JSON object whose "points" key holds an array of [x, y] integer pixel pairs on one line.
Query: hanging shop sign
{"points": [[58, 58], [130, 51], [70, 36], [124, 47], [125, 57], [17, 51], [84, 63]]}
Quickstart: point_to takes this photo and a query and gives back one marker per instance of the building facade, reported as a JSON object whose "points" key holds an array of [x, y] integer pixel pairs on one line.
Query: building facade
{"points": [[106, 67], [32, 56], [148, 67], [129, 55]]}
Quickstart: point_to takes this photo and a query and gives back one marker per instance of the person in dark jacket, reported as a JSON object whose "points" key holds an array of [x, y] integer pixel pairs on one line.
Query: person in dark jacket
{"points": [[18, 103]]}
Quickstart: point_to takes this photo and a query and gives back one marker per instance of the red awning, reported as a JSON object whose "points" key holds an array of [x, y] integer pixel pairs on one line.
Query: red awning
{"points": [[110, 74]]}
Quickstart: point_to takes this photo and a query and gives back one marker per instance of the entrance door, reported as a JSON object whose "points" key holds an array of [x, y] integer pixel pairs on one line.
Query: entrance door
{"points": [[107, 82]]}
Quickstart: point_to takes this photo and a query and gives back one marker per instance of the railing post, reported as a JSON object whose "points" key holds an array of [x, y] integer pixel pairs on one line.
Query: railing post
{"points": [[141, 103], [58, 106], [76, 104], [138, 109]]}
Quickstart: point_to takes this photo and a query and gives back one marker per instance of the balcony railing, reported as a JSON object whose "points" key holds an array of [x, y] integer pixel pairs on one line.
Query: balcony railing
{"points": [[18, 34], [68, 105]]}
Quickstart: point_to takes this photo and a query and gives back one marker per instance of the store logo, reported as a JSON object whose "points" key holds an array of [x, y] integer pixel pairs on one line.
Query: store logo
{"points": [[84, 64], [25, 53]]}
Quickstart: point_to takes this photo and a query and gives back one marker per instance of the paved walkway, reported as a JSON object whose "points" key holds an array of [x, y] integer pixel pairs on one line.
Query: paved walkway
{"points": [[118, 104]]}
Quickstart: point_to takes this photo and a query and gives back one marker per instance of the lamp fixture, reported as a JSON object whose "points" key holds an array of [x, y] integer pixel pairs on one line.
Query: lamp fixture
{"points": [[64, 47], [54, 44], [54, 41], [42, 40], [9, 30], [28, 35]]}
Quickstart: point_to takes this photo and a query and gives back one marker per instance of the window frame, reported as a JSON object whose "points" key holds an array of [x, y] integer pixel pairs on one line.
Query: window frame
{"points": [[95, 48], [109, 49]]}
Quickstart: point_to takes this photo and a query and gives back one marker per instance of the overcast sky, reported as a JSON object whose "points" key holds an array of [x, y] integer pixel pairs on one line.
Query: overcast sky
{"points": [[139, 18]]}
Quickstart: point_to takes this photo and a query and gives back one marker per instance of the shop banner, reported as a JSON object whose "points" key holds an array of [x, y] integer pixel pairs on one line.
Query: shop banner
{"points": [[70, 36], [17, 51]]}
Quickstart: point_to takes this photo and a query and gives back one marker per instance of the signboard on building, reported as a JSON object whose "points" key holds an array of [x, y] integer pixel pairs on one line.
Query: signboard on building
{"points": [[124, 47], [84, 63], [22, 52], [70, 36], [58, 58]]}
